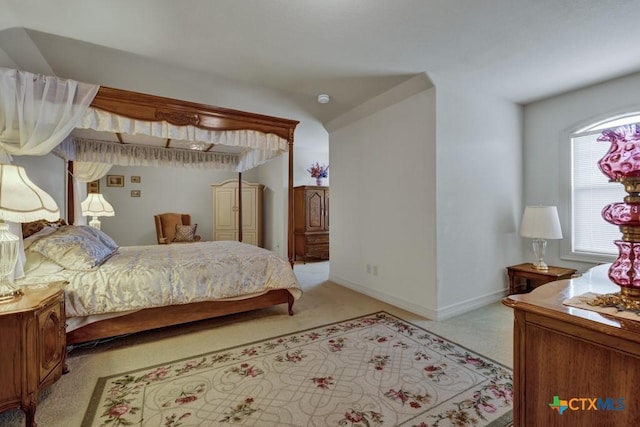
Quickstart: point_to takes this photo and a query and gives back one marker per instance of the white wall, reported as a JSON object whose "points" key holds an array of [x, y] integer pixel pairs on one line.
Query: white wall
{"points": [[383, 204], [304, 158], [479, 187], [162, 190], [546, 147], [429, 190]]}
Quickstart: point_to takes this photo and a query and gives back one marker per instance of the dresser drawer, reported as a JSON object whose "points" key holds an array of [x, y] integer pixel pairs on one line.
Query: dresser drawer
{"points": [[313, 239], [318, 251]]}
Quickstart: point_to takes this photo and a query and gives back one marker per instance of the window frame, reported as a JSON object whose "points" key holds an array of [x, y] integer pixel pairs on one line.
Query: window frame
{"points": [[567, 251]]}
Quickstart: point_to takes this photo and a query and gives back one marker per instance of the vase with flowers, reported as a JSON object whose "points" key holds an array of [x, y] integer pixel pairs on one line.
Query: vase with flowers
{"points": [[318, 172]]}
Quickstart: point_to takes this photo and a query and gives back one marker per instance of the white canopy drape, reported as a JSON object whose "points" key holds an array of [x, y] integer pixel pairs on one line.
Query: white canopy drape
{"points": [[38, 112], [248, 148]]}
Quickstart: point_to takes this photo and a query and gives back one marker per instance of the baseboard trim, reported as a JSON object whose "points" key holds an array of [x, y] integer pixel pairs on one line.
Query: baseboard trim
{"points": [[439, 314], [470, 304], [384, 297]]}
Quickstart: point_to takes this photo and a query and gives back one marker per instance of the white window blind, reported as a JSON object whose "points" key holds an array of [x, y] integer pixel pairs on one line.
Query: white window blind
{"points": [[591, 191]]}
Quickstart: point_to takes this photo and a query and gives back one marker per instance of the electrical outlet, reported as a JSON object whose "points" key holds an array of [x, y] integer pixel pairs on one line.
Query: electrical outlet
{"points": [[375, 270], [369, 268]]}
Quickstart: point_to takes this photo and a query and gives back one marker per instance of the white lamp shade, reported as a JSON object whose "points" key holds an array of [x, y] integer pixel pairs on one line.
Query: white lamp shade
{"points": [[21, 200], [96, 205], [541, 222]]}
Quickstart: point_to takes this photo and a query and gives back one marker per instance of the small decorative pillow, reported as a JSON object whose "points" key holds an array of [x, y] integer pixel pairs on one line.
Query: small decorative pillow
{"points": [[185, 233]]}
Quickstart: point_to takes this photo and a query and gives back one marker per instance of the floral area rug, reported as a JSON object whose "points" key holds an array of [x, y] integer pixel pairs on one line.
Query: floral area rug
{"points": [[376, 370]]}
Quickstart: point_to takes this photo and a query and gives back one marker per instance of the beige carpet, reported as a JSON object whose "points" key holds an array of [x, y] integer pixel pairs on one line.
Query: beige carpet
{"points": [[487, 331]]}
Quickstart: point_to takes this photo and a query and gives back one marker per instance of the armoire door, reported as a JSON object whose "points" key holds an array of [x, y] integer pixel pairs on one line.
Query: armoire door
{"points": [[225, 214], [326, 209], [315, 214], [226, 210], [250, 210]]}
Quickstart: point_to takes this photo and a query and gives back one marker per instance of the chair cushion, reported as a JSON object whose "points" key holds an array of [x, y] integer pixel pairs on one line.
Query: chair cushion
{"points": [[185, 233]]}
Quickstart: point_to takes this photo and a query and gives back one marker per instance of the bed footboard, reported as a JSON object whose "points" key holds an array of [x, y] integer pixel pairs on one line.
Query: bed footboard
{"points": [[159, 317]]}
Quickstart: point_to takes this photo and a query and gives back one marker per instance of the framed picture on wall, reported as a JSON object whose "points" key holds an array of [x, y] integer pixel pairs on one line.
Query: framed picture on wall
{"points": [[115, 180], [93, 187], [135, 193], [135, 179]]}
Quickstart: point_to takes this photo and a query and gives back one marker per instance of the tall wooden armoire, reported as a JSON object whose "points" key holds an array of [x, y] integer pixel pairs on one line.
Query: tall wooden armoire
{"points": [[226, 208], [311, 222]]}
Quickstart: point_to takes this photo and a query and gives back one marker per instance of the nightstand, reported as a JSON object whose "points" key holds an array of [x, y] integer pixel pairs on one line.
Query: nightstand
{"points": [[33, 346], [525, 277]]}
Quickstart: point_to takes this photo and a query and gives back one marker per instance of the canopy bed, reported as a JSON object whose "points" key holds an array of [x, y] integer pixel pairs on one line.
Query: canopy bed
{"points": [[112, 290], [129, 128]]}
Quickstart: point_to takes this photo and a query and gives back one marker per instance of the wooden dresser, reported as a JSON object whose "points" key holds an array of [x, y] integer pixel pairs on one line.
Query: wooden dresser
{"points": [[226, 200], [33, 347], [311, 222], [574, 358]]}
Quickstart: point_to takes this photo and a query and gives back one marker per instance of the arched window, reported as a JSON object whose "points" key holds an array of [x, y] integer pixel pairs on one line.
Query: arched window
{"points": [[591, 236]]}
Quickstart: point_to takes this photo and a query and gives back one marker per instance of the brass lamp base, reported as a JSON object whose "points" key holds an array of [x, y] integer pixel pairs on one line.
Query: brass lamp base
{"points": [[620, 301]]}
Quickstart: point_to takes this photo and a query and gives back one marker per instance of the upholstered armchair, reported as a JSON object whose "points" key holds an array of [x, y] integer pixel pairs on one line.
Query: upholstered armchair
{"points": [[175, 228]]}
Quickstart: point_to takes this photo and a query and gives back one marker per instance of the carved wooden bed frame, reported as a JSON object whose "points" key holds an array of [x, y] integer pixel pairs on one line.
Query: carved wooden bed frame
{"points": [[159, 317], [154, 108]]}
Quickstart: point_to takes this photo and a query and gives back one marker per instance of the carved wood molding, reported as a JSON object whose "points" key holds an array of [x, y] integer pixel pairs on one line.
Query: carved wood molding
{"points": [[146, 107], [178, 118]]}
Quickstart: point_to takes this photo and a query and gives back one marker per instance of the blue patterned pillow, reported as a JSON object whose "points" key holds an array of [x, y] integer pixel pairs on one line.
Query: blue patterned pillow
{"points": [[100, 235], [74, 248]]}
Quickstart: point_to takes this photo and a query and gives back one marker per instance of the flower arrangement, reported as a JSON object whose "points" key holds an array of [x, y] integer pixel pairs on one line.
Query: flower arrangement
{"points": [[318, 171]]}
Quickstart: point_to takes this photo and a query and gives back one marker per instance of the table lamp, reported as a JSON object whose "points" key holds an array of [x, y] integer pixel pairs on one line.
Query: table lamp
{"points": [[540, 223], [20, 201], [95, 205]]}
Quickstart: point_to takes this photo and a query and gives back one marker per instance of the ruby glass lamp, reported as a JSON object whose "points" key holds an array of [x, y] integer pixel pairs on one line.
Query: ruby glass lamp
{"points": [[622, 164]]}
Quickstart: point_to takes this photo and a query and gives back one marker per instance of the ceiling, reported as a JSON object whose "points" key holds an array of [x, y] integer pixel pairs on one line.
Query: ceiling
{"points": [[352, 50]]}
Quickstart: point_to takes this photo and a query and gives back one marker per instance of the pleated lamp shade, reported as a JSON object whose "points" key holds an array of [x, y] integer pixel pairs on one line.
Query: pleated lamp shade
{"points": [[21, 200], [96, 205]]}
